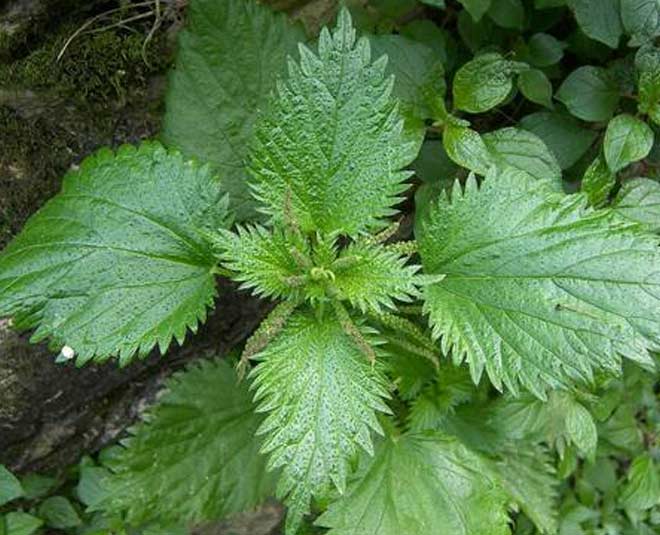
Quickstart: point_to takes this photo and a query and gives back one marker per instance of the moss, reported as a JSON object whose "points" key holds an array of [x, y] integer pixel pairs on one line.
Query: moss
{"points": [[95, 67]]}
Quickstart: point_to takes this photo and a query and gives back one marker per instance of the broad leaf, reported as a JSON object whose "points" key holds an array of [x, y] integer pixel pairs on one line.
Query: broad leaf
{"points": [[535, 87], [544, 50], [589, 93], [466, 148], [422, 483], [58, 513], [10, 486], [539, 291], [627, 140], [333, 139], [639, 200], [598, 181], [599, 19], [525, 151], [418, 76], [565, 138], [508, 13], [641, 19], [218, 87], [484, 82], [642, 489], [476, 8], [321, 394], [19, 523], [527, 475], [120, 260], [649, 94], [196, 457]]}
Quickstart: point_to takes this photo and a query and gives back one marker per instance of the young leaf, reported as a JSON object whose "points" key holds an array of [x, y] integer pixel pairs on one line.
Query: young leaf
{"points": [[598, 181], [535, 87], [466, 148], [484, 82], [262, 259], [217, 86], [642, 490], [321, 394], [375, 277], [422, 483], [639, 200], [589, 93], [627, 140], [333, 139], [525, 151], [565, 138], [534, 284], [476, 8], [196, 457], [10, 486], [119, 261], [599, 19]]}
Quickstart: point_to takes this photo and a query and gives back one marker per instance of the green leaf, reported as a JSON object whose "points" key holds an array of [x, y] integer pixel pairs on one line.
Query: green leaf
{"points": [[37, 486], [638, 200], [641, 19], [332, 140], [649, 94], [627, 140], [535, 87], [476, 8], [508, 13], [598, 181], [92, 488], [581, 429], [58, 513], [434, 3], [484, 82], [418, 75], [528, 476], [421, 484], [547, 4], [466, 148], [119, 261], [565, 138], [321, 394], [599, 19], [533, 286], [642, 489], [374, 277], [589, 93], [217, 87], [433, 164], [545, 50], [19, 523], [10, 486], [196, 456], [261, 258], [525, 151]]}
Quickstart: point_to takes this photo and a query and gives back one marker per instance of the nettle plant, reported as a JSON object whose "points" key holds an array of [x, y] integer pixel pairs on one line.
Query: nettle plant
{"points": [[466, 381]]}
